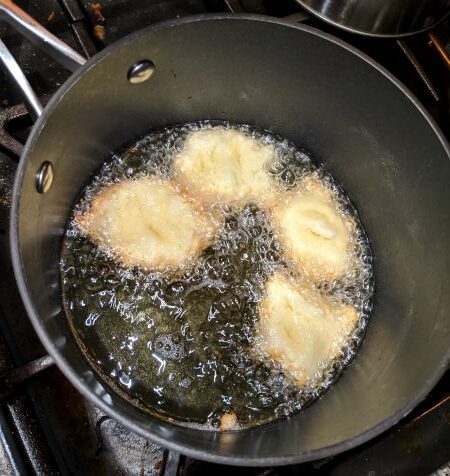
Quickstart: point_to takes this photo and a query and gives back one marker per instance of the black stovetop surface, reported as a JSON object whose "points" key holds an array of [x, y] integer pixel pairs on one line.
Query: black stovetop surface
{"points": [[46, 426]]}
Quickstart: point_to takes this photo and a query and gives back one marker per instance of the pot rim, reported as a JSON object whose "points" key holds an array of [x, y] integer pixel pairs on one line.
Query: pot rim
{"points": [[358, 31]]}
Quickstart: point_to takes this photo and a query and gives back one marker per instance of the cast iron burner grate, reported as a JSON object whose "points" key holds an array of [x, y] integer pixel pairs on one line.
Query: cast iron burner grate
{"points": [[46, 426]]}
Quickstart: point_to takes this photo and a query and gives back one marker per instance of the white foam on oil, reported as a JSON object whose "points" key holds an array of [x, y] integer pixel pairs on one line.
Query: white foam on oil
{"points": [[182, 344]]}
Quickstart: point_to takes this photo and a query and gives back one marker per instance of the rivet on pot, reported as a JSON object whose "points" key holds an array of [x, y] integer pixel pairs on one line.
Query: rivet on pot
{"points": [[44, 177], [140, 72]]}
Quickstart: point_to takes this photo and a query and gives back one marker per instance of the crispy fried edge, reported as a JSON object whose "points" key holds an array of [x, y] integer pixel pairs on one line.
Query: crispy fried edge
{"points": [[209, 198], [206, 220], [313, 268], [275, 352]]}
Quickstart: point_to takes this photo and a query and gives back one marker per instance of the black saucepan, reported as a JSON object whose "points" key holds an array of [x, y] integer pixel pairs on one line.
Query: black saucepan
{"points": [[328, 98]]}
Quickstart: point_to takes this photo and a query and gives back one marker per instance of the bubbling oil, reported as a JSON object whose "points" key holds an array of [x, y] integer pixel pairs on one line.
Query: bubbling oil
{"points": [[180, 345]]}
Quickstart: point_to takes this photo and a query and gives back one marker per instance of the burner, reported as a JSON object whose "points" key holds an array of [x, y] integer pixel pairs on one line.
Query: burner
{"points": [[46, 426]]}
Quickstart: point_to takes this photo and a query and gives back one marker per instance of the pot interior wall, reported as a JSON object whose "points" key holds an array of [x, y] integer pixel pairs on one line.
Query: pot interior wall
{"points": [[328, 101]]}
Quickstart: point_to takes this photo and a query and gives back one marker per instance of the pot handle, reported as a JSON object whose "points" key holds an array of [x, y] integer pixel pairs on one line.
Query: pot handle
{"points": [[45, 40]]}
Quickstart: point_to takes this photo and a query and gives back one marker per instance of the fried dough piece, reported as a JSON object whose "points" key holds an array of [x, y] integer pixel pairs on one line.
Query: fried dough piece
{"points": [[301, 329], [228, 421], [223, 166], [147, 223], [313, 232]]}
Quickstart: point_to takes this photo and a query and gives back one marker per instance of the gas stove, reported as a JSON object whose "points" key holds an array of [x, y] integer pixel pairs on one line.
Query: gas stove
{"points": [[46, 426]]}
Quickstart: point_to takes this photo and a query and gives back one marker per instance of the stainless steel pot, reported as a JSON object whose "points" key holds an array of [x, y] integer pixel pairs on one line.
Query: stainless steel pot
{"points": [[394, 18]]}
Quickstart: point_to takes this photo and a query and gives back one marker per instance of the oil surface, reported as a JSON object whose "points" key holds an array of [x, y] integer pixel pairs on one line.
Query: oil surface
{"points": [[181, 345]]}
